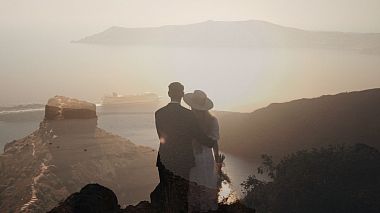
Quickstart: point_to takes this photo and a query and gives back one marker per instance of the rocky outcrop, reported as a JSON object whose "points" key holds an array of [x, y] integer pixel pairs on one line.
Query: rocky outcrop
{"points": [[61, 108], [67, 152], [91, 198], [69, 116], [95, 198]]}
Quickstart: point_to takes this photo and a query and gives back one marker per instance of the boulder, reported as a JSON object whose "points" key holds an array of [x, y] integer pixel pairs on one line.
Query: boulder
{"points": [[92, 198]]}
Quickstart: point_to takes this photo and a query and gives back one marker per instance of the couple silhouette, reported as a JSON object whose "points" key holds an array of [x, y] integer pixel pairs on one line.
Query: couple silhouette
{"points": [[188, 155]]}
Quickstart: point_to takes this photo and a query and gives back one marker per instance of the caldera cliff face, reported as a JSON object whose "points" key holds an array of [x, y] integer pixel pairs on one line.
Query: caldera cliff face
{"points": [[67, 152]]}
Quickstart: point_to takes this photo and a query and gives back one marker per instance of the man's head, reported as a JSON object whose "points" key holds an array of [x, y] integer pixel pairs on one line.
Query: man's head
{"points": [[176, 91]]}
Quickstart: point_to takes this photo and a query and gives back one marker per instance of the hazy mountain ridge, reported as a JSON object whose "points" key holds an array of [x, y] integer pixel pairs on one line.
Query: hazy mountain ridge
{"points": [[279, 129], [67, 152], [249, 34]]}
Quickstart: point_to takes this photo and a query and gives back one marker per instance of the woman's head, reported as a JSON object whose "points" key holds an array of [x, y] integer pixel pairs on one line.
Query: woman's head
{"points": [[198, 100], [200, 105]]}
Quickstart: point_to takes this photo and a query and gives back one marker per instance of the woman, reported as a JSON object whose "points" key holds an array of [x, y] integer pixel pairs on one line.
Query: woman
{"points": [[203, 192]]}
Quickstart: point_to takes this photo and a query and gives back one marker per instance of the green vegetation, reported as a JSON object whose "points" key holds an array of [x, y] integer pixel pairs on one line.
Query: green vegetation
{"points": [[337, 178]]}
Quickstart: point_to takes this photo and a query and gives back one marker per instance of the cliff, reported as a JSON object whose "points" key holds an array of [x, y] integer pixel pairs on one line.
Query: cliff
{"points": [[282, 128], [65, 153]]}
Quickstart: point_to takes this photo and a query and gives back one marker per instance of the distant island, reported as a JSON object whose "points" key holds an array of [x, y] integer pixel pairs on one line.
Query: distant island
{"points": [[248, 34]]}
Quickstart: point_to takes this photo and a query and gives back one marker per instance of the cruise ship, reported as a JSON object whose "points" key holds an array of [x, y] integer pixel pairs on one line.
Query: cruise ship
{"points": [[142, 103]]}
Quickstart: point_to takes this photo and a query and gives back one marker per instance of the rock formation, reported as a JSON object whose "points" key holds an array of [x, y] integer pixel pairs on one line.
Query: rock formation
{"points": [[91, 198], [67, 152], [95, 198]]}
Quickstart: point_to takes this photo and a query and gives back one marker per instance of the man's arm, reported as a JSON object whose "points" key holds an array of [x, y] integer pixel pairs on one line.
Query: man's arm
{"points": [[158, 127], [205, 140], [161, 132]]}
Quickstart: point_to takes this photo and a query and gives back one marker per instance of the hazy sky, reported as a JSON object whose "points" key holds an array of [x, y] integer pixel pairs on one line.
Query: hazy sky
{"points": [[94, 15], [37, 60]]}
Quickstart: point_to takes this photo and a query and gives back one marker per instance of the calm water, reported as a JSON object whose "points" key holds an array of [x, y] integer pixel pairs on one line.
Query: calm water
{"points": [[15, 130]]}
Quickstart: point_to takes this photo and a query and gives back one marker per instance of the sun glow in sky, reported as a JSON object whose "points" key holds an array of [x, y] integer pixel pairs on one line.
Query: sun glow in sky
{"points": [[37, 60]]}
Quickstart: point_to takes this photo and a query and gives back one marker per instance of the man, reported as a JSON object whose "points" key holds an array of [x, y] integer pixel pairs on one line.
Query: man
{"points": [[177, 127]]}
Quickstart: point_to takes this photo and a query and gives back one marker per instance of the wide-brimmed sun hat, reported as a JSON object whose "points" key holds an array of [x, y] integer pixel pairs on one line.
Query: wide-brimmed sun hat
{"points": [[198, 100]]}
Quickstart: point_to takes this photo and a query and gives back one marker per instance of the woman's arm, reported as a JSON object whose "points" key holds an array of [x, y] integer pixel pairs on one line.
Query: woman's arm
{"points": [[215, 135], [216, 151]]}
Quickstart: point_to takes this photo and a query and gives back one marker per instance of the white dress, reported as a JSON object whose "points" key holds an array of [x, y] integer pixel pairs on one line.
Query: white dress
{"points": [[204, 196]]}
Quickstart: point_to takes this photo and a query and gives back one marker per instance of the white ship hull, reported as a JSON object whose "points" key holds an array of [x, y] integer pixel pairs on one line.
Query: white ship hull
{"points": [[128, 108], [146, 103]]}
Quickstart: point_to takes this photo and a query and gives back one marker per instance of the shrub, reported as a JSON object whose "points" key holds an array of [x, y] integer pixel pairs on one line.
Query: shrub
{"points": [[333, 179]]}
